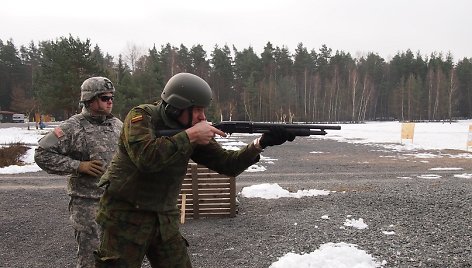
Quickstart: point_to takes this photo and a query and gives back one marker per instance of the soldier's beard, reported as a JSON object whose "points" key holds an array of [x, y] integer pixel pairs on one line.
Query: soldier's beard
{"points": [[100, 111], [104, 111]]}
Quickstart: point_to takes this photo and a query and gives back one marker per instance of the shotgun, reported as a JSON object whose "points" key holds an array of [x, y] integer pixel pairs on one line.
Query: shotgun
{"points": [[231, 127]]}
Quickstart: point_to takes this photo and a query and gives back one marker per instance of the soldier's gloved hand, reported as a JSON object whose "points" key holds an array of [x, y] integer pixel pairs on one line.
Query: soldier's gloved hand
{"points": [[93, 168], [276, 136]]}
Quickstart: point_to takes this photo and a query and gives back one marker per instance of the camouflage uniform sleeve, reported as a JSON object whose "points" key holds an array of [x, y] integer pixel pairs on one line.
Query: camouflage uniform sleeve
{"points": [[148, 152], [228, 162], [55, 153]]}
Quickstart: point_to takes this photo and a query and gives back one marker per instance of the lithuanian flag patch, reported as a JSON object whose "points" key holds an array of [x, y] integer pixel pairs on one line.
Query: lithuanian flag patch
{"points": [[137, 118]]}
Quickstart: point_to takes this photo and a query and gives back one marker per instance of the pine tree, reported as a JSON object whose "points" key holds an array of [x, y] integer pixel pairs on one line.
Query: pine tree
{"points": [[65, 64], [222, 82]]}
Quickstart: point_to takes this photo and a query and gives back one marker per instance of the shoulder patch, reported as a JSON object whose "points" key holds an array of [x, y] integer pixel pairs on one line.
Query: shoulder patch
{"points": [[137, 118], [58, 132]]}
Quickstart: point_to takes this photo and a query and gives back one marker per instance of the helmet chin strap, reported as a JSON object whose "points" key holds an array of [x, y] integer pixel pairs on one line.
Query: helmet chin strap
{"points": [[190, 116]]}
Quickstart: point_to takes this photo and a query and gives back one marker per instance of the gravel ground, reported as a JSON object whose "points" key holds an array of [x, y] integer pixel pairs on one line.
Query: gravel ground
{"points": [[431, 218]]}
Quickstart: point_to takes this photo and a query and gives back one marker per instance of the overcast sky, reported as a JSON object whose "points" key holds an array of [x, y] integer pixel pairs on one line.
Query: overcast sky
{"points": [[356, 26]]}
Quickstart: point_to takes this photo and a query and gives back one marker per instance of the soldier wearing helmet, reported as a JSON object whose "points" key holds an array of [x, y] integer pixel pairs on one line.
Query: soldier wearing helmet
{"points": [[81, 147], [185, 91], [138, 210], [96, 88]]}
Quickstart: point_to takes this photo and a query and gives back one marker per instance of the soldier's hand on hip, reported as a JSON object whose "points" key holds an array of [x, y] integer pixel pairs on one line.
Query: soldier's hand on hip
{"points": [[93, 168]]}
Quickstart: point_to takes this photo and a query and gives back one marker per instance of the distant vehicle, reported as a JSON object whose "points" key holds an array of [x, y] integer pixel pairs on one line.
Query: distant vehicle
{"points": [[18, 118]]}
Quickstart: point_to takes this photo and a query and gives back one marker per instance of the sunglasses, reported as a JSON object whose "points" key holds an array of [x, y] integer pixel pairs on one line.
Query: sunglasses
{"points": [[105, 98]]}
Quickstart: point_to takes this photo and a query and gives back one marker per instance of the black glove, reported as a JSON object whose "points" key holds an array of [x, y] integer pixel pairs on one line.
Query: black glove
{"points": [[276, 136]]}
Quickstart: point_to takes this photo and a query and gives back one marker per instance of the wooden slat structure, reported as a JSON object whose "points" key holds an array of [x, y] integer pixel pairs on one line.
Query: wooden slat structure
{"points": [[207, 193]]}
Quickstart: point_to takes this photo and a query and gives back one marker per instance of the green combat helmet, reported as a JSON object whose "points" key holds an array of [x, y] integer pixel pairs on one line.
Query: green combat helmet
{"points": [[95, 86], [185, 90]]}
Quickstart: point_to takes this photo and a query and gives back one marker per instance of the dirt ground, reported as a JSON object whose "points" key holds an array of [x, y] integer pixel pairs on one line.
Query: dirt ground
{"points": [[430, 215]]}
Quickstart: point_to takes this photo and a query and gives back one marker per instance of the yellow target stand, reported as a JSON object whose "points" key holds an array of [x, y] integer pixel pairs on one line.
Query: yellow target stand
{"points": [[469, 139], [408, 131]]}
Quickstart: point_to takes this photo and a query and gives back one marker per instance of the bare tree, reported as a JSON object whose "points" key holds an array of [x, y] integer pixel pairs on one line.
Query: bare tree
{"points": [[353, 85], [365, 95], [451, 91], [316, 88], [409, 88], [439, 76], [430, 78], [132, 54], [21, 103]]}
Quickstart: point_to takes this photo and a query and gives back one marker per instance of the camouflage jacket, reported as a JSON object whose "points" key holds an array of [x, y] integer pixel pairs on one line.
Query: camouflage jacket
{"points": [[147, 170], [82, 137]]}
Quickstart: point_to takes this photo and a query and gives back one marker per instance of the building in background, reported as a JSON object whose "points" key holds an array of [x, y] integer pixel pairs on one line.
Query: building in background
{"points": [[6, 116]]}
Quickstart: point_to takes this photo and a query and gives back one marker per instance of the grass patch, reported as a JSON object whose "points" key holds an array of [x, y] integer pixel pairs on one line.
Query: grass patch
{"points": [[11, 154]]}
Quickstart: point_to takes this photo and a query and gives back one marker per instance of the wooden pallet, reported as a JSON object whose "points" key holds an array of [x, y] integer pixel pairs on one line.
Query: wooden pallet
{"points": [[207, 193]]}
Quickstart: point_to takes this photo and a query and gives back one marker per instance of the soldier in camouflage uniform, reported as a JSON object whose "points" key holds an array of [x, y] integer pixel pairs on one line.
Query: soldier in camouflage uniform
{"points": [[138, 211], [83, 146]]}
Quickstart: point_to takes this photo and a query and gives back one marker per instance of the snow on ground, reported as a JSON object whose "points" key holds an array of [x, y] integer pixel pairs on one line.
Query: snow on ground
{"points": [[29, 166], [274, 191], [336, 255], [386, 135], [358, 224], [427, 135], [464, 176]]}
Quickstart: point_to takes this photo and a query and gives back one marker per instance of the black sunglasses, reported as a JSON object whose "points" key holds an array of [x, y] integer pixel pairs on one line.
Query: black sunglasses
{"points": [[105, 98]]}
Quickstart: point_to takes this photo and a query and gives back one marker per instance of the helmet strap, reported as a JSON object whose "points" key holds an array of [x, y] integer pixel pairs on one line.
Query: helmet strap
{"points": [[190, 116], [172, 111], [86, 103]]}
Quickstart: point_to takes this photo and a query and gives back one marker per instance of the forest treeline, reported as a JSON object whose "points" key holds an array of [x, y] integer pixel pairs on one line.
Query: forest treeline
{"points": [[309, 85]]}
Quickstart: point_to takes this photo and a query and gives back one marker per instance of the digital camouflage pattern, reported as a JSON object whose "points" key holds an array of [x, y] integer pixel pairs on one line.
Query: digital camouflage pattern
{"points": [[95, 86], [86, 231], [82, 137], [144, 180]]}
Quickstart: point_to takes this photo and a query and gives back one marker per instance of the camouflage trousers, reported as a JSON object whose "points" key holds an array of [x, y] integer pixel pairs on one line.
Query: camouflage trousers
{"points": [[86, 231], [128, 236]]}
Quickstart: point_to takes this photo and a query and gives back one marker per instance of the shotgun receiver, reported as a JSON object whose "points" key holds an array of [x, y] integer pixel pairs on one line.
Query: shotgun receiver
{"points": [[231, 127]]}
